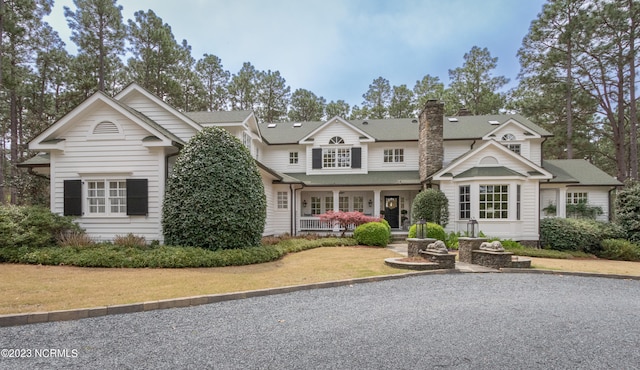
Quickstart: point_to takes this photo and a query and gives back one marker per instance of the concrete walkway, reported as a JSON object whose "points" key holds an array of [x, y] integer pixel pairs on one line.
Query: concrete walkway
{"points": [[401, 248]]}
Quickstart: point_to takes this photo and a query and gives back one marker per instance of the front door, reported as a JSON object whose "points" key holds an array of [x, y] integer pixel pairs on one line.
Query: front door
{"points": [[391, 211]]}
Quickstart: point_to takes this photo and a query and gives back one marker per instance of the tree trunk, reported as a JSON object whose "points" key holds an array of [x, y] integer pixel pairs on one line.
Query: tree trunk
{"points": [[633, 111]]}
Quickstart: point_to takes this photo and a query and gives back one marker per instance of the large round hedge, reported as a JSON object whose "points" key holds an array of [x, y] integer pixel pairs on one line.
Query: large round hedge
{"points": [[628, 210], [372, 234], [215, 197]]}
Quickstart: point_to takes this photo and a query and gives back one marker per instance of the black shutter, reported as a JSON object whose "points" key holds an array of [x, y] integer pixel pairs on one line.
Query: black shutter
{"points": [[316, 158], [356, 157], [137, 197], [72, 197]]}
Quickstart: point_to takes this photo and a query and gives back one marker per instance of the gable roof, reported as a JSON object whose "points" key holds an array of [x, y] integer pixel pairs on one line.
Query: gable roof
{"points": [[534, 171], [48, 139], [578, 172], [219, 117]]}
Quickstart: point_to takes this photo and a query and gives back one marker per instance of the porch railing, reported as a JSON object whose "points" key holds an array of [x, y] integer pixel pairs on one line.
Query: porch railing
{"points": [[316, 224]]}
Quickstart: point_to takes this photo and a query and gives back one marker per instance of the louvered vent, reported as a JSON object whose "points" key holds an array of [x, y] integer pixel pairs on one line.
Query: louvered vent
{"points": [[106, 128]]}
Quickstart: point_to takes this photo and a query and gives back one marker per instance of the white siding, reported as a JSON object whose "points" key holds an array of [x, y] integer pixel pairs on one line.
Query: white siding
{"points": [[161, 116], [375, 157], [277, 158], [455, 149], [86, 157]]}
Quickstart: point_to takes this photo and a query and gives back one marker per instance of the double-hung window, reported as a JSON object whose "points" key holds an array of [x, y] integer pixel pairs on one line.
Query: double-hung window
{"points": [[393, 156], [107, 197], [465, 202]]}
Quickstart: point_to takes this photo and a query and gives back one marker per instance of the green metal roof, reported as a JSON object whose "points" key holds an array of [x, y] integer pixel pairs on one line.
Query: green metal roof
{"points": [[372, 178], [579, 172], [399, 129], [499, 171]]}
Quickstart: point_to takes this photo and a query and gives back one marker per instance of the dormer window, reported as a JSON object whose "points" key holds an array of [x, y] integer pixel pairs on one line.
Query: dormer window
{"points": [[513, 147], [336, 140]]}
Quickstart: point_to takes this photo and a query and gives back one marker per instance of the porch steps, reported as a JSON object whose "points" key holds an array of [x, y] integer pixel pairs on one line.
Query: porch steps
{"points": [[398, 236]]}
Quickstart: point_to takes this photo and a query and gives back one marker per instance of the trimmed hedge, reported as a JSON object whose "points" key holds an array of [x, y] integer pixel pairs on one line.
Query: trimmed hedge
{"points": [[372, 234], [577, 234], [431, 205], [109, 255], [215, 198], [434, 231]]}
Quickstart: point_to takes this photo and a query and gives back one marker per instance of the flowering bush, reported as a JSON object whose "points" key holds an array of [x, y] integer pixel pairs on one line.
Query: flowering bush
{"points": [[347, 220]]}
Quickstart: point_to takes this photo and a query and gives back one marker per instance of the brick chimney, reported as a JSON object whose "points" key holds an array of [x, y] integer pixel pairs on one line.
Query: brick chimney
{"points": [[430, 136]]}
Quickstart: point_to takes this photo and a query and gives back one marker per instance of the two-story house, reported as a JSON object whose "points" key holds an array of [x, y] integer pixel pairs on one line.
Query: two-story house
{"points": [[108, 161]]}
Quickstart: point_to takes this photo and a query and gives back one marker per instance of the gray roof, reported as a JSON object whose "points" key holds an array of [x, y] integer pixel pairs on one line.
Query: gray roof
{"points": [[579, 172], [372, 178], [150, 122], [398, 129], [235, 116], [499, 171], [39, 160]]}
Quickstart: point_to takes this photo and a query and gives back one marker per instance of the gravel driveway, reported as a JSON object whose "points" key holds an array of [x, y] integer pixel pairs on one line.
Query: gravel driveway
{"points": [[459, 321]]}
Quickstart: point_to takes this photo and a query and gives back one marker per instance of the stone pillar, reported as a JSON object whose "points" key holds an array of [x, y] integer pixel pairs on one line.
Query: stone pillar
{"points": [[415, 245], [466, 246], [430, 139]]}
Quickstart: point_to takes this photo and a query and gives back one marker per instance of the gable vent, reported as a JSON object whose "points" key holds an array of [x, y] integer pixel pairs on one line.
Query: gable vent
{"points": [[494, 122], [271, 125], [106, 128]]}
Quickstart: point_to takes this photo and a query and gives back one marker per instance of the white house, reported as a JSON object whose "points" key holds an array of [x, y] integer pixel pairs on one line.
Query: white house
{"points": [[109, 158]]}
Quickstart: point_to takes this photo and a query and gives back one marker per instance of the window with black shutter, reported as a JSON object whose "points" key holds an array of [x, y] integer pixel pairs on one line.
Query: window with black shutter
{"points": [[316, 162], [356, 157], [137, 197], [72, 198]]}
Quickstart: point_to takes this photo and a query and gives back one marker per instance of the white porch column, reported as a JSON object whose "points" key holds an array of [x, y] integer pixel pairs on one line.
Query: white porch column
{"points": [[336, 207], [376, 203], [561, 209]]}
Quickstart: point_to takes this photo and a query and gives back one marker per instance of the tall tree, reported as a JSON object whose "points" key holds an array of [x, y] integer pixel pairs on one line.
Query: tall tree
{"points": [[428, 88], [402, 105], [156, 55], [214, 79], [474, 86], [338, 108], [99, 32], [22, 22], [191, 88], [243, 93], [378, 98], [306, 106], [273, 96]]}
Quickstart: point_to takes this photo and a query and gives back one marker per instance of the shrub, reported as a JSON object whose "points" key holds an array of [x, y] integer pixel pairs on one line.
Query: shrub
{"points": [[432, 206], [627, 207], [620, 249], [75, 239], [372, 233], [434, 231], [576, 234], [130, 240], [32, 226], [345, 220], [215, 198]]}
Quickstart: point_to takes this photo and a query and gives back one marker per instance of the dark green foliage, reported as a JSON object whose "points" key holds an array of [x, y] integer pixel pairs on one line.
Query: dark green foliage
{"points": [[215, 197], [576, 234], [432, 206], [32, 226], [620, 249], [628, 211], [372, 234], [156, 256], [583, 210], [434, 231]]}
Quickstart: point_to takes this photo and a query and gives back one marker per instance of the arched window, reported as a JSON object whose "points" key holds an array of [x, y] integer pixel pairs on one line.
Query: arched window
{"points": [[336, 140], [489, 160], [508, 137]]}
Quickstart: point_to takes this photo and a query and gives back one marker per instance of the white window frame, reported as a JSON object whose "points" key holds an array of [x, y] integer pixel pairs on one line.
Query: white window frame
{"points": [[105, 197], [490, 208], [577, 197], [336, 157], [464, 199], [282, 200], [395, 155], [294, 158]]}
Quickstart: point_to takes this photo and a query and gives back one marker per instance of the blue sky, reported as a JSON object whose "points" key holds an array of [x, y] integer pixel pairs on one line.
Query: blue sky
{"points": [[336, 48]]}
